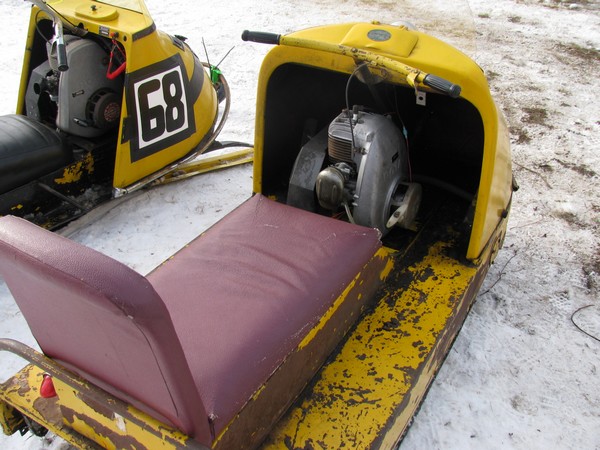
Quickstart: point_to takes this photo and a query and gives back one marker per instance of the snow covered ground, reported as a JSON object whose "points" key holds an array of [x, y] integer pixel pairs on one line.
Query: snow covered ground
{"points": [[521, 374]]}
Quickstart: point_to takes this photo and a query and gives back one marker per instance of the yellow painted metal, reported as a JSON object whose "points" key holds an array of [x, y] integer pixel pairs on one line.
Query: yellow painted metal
{"points": [[10, 420], [400, 43], [366, 397], [383, 254], [375, 60], [321, 47], [100, 13], [144, 47], [149, 50], [94, 15], [112, 430], [25, 69], [73, 172], [22, 392], [83, 415], [208, 163]]}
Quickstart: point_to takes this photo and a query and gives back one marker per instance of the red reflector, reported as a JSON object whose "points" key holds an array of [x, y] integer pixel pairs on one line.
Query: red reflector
{"points": [[47, 388]]}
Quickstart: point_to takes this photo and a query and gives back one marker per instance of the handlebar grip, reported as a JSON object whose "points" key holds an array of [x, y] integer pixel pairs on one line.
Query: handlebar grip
{"points": [[61, 56], [261, 37], [444, 86]]}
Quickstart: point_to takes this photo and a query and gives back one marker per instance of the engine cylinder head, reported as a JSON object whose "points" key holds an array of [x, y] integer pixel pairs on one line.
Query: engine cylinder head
{"points": [[339, 146]]}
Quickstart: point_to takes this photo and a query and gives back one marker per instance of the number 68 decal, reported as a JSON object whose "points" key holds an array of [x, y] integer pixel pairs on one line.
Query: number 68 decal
{"points": [[164, 114]]}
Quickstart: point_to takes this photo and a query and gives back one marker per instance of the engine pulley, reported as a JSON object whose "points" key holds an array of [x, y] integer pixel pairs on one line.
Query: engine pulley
{"points": [[103, 109]]}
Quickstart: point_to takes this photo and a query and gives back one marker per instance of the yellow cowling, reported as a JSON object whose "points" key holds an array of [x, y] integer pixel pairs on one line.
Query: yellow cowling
{"points": [[404, 57]]}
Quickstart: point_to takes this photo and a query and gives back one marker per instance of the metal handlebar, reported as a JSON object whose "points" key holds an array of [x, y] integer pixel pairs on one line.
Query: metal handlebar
{"points": [[414, 76], [59, 36], [61, 50]]}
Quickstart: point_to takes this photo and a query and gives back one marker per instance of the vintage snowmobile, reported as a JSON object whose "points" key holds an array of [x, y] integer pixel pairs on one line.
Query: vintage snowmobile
{"points": [[105, 107], [317, 313]]}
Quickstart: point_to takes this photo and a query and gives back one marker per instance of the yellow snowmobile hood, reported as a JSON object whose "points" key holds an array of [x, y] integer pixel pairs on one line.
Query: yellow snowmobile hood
{"points": [[424, 53]]}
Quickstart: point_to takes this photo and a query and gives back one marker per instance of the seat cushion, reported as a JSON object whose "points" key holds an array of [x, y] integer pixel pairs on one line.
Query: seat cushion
{"points": [[243, 295], [28, 150]]}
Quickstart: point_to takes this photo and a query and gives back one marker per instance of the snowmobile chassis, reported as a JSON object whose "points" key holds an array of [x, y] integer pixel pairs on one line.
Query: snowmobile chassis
{"points": [[356, 372], [102, 112], [366, 395]]}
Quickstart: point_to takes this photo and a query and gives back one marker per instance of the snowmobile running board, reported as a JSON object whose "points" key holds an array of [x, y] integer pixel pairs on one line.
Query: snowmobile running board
{"points": [[207, 163], [368, 394]]}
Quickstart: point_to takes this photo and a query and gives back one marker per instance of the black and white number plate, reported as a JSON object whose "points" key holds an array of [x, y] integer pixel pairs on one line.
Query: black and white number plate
{"points": [[161, 110]]}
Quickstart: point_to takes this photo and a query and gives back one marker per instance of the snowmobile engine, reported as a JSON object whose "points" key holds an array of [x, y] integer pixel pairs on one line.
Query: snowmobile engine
{"points": [[80, 101], [367, 172]]}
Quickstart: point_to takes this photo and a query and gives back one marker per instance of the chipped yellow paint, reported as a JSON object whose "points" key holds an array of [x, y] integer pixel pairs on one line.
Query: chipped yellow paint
{"points": [[381, 253], [83, 423], [22, 392], [74, 172], [130, 429], [17, 207], [9, 418], [332, 323], [389, 264], [366, 396]]}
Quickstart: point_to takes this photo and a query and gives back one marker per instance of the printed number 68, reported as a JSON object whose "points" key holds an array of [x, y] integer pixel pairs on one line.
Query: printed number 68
{"points": [[161, 118]]}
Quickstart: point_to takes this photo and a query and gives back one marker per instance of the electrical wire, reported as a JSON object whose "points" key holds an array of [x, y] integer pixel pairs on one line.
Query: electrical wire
{"points": [[404, 129], [72, 27], [37, 26], [405, 133], [578, 327], [360, 66]]}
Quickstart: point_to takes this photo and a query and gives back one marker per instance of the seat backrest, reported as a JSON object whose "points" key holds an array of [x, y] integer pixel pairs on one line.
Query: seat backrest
{"points": [[102, 320]]}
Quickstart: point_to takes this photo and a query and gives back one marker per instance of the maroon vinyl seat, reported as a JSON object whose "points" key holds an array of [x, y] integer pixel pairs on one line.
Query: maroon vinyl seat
{"points": [[193, 341]]}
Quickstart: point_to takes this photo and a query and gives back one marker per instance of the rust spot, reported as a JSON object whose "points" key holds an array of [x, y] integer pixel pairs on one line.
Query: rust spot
{"points": [[119, 441]]}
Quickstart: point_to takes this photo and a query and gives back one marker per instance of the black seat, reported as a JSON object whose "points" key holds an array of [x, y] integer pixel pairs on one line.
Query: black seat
{"points": [[28, 150]]}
